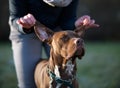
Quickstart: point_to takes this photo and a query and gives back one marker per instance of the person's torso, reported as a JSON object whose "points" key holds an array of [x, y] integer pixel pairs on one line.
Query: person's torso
{"points": [[44, 13]]}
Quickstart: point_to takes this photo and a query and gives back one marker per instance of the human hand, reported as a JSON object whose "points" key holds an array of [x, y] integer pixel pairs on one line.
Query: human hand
{"points": [[27, 21], [85, 22]]}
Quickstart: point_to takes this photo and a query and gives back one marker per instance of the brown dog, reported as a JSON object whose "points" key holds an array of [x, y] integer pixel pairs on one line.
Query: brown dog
{"points": [[59, 71]]}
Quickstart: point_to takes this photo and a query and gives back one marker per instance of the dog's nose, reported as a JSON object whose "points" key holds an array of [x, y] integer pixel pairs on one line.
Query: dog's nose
{"points": [[78, 41]]}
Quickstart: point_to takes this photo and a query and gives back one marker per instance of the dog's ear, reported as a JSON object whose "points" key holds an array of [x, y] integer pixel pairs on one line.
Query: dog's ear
{"points": [[80, 31], [43, 32], [83, 23]]}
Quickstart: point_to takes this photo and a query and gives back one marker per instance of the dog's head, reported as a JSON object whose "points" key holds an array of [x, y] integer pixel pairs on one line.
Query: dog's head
{"points": [[67, 44]]}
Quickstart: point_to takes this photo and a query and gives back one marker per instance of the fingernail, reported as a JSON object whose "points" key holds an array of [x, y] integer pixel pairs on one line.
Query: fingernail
{"points": [[29, 15]]}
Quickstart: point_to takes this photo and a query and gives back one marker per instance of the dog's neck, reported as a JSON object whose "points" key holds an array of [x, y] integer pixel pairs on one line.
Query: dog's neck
{"points": [[62, 67], [65, 71]]}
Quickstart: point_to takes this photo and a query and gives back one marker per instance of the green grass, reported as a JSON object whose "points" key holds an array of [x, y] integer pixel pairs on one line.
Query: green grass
{"points": [[99, 68], [7, 70]]}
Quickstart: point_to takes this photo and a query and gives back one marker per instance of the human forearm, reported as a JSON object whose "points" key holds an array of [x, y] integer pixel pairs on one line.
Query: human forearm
{"points": [[17, 9]]}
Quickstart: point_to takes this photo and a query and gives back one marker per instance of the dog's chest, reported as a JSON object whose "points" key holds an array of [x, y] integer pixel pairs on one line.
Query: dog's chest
{"points": [[69, 67]]}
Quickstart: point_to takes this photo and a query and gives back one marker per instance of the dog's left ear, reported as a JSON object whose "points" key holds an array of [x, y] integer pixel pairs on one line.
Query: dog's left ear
{"points": [[43, 32], [83, 23], [80, 31]]}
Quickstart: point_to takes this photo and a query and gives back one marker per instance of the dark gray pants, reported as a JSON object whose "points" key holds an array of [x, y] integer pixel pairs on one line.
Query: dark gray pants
{"points": [[26, 53]]}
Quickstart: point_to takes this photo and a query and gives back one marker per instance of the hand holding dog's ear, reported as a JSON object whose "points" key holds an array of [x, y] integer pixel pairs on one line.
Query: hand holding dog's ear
{"points": [[26, 21], [85, 22], [43, 32]]}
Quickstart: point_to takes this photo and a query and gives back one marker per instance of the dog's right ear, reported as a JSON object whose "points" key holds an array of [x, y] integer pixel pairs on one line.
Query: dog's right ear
{"points": [[43, 33]]}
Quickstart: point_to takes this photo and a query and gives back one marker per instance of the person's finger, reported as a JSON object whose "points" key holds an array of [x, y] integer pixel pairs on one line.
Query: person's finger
{"points": [[95, 25], [18, 21], [92, 22], [27, 20], [86, 21], [32, 18], [23, 23], [85, 17]]}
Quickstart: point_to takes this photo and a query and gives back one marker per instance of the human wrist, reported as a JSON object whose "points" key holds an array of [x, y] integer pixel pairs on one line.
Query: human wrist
{"points": [[29, 30]]}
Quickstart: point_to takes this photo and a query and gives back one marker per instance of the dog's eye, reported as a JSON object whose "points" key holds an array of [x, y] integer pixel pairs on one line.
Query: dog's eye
{"points": [[65, 38]]}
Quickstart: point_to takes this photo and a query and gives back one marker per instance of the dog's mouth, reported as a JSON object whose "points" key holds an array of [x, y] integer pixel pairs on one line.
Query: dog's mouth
{"points": [[78, 52], [79, 49]]}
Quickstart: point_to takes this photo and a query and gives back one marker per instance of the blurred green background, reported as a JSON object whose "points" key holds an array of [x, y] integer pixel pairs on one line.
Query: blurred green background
{"points": [[99, 68]]}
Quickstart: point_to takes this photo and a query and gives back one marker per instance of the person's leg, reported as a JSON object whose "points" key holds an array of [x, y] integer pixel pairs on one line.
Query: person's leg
{"points": [[26, 53], [47, 49]]}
